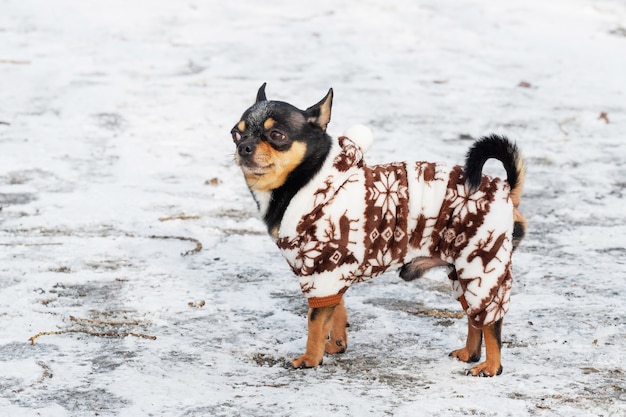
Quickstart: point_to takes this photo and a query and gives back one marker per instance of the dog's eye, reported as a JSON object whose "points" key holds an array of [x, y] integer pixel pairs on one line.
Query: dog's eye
{"points": [[276, 136], [236, 135]]}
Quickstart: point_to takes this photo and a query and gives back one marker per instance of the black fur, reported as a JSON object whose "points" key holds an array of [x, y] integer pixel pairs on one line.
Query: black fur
{"points": [[487, 147], [314, 313], [260, 95], [409, 272], [518, 234]]}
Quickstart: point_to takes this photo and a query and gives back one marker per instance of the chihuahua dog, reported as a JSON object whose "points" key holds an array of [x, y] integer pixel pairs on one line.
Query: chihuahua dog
{"points": [[339, 221]]}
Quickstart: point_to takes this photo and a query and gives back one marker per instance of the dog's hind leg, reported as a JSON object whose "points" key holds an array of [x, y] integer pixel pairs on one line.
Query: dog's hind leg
{"points": [[320, 321], [493, 343], [473, 345], [338, 338], [474, 342]]}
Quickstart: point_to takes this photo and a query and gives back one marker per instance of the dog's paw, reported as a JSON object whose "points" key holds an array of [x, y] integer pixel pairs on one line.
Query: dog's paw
{"points": [[485, 369], [306, 361], [465, 355], [336, 345]]}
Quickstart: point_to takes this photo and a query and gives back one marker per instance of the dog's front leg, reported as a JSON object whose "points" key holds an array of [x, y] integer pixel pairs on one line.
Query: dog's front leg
{"points": [[319, 328], [338, 340]]}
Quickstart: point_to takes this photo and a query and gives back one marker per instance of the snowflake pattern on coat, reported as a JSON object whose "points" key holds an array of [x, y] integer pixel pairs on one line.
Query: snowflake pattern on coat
{"points": [[353, 222]]}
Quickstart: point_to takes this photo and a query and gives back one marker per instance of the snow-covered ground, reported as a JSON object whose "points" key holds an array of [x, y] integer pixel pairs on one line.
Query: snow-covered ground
{"points": [[116, 161]]}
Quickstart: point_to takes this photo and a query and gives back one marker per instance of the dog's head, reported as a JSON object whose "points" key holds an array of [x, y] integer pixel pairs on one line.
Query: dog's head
{"points": [[274, 140]]}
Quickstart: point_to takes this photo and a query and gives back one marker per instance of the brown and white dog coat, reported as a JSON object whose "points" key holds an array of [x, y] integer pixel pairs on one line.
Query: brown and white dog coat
{"points": [[352, 222]]}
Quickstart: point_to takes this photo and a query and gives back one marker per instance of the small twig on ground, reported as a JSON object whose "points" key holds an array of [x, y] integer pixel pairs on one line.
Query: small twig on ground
{"points": [[195, 250], [95, 323], [437, 313], [181, 217], [89, 332]]}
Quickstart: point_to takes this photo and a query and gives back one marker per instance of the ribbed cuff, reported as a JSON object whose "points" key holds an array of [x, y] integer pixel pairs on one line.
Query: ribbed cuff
{"points": [[331, 300]]}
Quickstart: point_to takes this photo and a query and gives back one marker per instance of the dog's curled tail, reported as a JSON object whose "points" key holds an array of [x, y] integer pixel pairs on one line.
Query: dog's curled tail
{"points": [[507, 152]]}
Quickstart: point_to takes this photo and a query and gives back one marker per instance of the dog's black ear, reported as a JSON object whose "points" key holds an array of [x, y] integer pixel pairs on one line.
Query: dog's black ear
{"points": [[260, 95], [320, 113]]}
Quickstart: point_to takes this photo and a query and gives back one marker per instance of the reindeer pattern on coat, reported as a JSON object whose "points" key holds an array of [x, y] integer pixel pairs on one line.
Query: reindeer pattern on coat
{"points": [[352, 222]]}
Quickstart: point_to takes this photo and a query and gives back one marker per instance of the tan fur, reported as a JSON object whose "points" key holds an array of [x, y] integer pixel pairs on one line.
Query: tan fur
{"points": [[269, 123], [272, 166], [324, 117], [516, 198], [241, 125], [516, 193], [491, 366], [473, 345], [518, 217], [338, 339], [325, 109], [320, 323]]}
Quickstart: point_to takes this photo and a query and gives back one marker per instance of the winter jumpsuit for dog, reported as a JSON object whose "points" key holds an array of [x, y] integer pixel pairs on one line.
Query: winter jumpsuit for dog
{"points": [[352, 222]]}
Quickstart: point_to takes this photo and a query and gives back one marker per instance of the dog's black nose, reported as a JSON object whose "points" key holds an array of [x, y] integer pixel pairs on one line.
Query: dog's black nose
{"points": [[245, 149]]}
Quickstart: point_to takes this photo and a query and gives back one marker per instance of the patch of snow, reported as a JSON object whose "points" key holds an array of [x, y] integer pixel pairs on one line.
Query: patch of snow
{"points": [[116, 162]]}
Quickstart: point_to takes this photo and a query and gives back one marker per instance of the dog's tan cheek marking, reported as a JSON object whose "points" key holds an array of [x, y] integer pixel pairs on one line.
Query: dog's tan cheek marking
{"points": [[289, 160], [263, 156], [282, 164], [241, 125], [269, 123]]}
